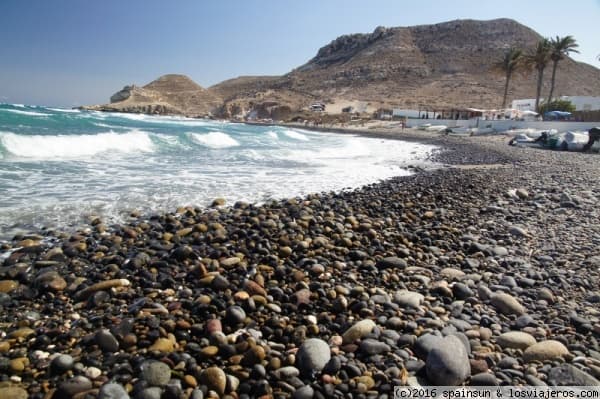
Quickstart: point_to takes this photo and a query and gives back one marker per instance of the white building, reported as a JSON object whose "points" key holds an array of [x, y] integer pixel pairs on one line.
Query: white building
{"points": [[413, 113], [581, 103], [584, 103], [524, 104]]}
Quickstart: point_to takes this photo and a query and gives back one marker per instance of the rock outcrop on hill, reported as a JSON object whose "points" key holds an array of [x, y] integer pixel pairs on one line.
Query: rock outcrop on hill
{"points": [[421, 67], [169, 94]]}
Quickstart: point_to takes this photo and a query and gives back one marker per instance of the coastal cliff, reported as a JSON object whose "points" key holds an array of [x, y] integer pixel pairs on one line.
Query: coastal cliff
{"points": [[440, 65]]}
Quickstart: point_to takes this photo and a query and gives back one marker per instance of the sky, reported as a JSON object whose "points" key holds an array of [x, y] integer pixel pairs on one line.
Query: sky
{"points": [[75, 52]]}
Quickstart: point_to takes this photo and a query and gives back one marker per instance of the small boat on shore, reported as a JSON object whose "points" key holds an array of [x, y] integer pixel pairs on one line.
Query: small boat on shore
{"points": [[566, 141], [436, 128], [469, 131]]}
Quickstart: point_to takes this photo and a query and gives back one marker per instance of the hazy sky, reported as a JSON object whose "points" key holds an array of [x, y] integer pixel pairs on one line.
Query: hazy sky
{"points": [[72, 52]]}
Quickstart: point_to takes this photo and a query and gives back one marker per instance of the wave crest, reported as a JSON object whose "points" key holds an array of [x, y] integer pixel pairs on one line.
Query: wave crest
{"points": [[295, 135], [29, 113], [214, 140], [74, 146]]}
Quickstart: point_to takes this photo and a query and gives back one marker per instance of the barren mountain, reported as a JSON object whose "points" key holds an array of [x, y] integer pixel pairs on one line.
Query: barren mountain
{"points": [[427, 66]]}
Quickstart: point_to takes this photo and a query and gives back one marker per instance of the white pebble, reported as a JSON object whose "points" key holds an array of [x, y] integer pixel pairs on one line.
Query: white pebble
{"points": [[41, 355], [92, 373]]}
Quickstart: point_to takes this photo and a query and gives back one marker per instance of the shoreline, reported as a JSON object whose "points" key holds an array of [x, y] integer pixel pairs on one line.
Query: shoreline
{"points": [[83, 221], [244, 300]]}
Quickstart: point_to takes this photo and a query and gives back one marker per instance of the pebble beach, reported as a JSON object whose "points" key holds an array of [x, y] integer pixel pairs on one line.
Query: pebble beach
{"points": [[482, 272]]}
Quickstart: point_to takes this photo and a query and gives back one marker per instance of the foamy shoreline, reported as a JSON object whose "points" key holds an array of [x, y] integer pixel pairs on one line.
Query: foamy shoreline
{"points": [[334, 293], [61, 169]]}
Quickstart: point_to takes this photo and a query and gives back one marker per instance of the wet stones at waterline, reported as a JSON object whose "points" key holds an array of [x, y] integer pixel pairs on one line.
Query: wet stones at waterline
{"points": [[463, 276]]}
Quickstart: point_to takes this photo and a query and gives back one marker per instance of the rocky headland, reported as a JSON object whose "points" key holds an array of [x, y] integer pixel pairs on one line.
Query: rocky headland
{"points": [[481, 273], [167, 95]]}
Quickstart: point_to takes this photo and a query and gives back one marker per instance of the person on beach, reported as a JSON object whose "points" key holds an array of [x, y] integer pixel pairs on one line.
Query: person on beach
{"points": [[594, 135]]}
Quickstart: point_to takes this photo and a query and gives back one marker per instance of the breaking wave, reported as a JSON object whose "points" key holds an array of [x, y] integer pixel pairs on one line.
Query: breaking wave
{"points": [[73, 146], [214, 140], [29, 113], [295, 135]]}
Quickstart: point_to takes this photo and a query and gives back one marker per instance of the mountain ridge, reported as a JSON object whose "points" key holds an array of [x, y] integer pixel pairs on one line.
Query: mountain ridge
{"points": [[425, 66]]}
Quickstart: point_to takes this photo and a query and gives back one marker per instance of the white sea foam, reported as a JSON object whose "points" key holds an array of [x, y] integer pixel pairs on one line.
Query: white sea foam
{"points": [[214, 140], [184, 122], [156, 168], [170, 120], [70, 111], [18, 105], [109, 126], [295, 135], [30, 113], [75, 146]]}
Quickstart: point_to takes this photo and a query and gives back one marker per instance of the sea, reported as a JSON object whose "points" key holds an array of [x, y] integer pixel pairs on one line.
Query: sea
{"points": [[60, 167]]}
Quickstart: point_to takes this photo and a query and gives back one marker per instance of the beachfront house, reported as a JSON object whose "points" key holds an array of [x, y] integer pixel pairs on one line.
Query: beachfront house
{"points": [[581, 103], [446, 113], [383, 114]]}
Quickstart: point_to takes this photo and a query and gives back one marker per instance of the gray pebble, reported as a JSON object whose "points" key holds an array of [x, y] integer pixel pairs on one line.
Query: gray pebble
{"points": [[156, 373], [312, 356], [112, 391]]}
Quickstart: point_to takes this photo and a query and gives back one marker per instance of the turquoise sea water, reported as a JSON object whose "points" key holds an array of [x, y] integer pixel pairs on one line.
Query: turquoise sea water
{"points": [[59, 166]]}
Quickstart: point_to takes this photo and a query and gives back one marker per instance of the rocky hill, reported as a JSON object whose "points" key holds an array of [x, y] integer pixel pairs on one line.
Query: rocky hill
{"points": [[447, 64], [169, 94], [427, 66]]}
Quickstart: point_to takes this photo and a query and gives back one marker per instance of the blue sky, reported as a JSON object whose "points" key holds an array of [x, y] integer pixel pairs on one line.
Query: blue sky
{"points": [[72, 52]]}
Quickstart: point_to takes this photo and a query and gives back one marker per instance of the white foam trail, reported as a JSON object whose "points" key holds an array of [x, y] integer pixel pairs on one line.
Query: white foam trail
{"points": [[295, 135], [187, 123], [171, 141], [109, 126], [272, 134], [18, 105], [70, 111], [75, 146], [135, 117], [161, 119], [30, 113], [214, 140], [353, 149]]}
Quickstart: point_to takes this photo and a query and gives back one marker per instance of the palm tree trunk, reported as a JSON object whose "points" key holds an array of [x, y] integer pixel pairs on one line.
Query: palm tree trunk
{"points": [[554, 65], [505, 90], [538, 93]]}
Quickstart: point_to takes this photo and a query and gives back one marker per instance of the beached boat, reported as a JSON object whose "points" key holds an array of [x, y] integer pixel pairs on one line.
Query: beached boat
{"points": [[529, 132], [424, 126], [566, 141], [436, 128], [459, 131], [523, 140], [575, 141]]}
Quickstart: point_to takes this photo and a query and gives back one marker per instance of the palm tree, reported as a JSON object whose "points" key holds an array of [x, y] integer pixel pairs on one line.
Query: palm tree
{"points": [[561, 47], [538, 60], [509, 64]]}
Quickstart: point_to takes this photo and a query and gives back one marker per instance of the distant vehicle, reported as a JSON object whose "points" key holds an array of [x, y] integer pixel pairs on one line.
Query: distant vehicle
{"points": [[347, 109], [557, 115], [317, 107]]}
